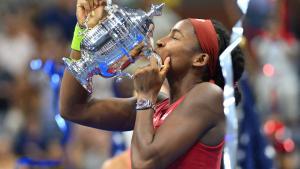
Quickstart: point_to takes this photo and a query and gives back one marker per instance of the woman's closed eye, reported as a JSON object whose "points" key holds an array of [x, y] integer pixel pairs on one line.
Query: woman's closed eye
{"points": [[175, 36]]}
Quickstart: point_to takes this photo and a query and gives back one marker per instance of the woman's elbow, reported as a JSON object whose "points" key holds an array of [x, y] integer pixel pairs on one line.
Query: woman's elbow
{"points": [[146, 164], [65, 112], [142, 165]]}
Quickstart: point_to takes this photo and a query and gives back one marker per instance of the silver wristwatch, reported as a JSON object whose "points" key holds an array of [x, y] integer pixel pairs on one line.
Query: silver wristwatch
{"points": [[143, 104]]}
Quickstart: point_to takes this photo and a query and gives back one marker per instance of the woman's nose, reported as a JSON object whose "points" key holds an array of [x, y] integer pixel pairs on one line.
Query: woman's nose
{"points": [[160, 43]]}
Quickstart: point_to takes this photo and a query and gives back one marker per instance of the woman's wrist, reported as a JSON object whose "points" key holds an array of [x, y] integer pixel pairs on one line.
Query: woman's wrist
{"points": [[77, 38], [149, 96]]}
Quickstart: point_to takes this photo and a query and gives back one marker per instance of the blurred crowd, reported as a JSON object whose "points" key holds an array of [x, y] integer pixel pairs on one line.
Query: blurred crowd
{"points": [[32, 30]]}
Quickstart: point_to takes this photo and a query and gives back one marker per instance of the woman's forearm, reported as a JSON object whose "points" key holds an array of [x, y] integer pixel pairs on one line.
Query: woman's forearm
{"points": [[143, 156], [72, 94], [144, 131], [143, 151]]}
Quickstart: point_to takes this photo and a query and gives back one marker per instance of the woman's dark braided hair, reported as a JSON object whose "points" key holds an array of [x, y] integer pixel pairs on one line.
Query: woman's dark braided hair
{"points": [[237, 59]]}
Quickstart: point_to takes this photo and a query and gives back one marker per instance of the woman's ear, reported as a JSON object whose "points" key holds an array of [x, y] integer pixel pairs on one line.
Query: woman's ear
{"points": [[200, 60]]}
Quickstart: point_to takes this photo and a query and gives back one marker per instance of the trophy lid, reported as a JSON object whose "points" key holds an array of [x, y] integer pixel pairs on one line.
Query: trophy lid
{"points": [[156, 10]]}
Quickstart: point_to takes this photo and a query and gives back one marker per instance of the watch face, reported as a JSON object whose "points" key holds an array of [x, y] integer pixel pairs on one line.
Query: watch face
{"points": [[143, 103]]}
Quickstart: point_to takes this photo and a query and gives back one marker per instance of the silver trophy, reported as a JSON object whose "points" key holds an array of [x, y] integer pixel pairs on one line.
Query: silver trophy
{"points": [[105, 49]]}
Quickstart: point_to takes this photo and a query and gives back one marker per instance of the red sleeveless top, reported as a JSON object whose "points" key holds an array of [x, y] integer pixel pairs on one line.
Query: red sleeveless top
{"points": [[199, 156]]}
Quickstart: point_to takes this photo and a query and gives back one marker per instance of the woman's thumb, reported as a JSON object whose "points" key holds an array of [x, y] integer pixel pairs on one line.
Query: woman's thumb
{"points": [[165, 67]]}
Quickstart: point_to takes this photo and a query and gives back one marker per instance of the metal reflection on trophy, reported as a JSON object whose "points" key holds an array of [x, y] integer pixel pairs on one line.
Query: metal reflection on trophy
{"points": [[106, 48]]}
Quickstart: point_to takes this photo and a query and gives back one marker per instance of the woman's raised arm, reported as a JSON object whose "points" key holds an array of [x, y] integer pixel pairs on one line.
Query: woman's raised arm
{"points": [[75, 103]]}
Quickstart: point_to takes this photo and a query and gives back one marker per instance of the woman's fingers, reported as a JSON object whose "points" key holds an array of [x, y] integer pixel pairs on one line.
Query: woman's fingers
{"points": [[102, 2], [85, 4], [89, 5], [80, 11], [96, 2], [150, 31], [94, 9], [163, 72]]}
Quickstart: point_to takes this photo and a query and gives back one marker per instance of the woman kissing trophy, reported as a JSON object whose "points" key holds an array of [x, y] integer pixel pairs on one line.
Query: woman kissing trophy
{"points": [[106, 49]]}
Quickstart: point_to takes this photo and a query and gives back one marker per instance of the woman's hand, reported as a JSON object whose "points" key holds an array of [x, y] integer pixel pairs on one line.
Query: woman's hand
{"points": [[94, 9], [148, 80]]}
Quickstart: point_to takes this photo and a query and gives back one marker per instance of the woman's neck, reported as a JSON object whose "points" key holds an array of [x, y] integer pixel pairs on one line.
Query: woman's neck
{"points": [[181, 86]]}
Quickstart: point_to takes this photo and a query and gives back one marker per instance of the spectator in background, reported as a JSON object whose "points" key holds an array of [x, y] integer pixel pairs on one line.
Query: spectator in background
{"points": [[276, 79], [277, 75], [34, 140], [29, 127], [10, 119], [17, 47], [89, 148], [59, 16]]}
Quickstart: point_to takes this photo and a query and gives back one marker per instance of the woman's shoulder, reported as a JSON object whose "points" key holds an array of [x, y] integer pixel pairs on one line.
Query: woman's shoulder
{"points": [[207, 91], [206, 95]]}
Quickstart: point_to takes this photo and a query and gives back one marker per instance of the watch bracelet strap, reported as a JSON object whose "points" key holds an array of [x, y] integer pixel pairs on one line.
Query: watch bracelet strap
{"points": [[149, 107], [144, 104]]}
